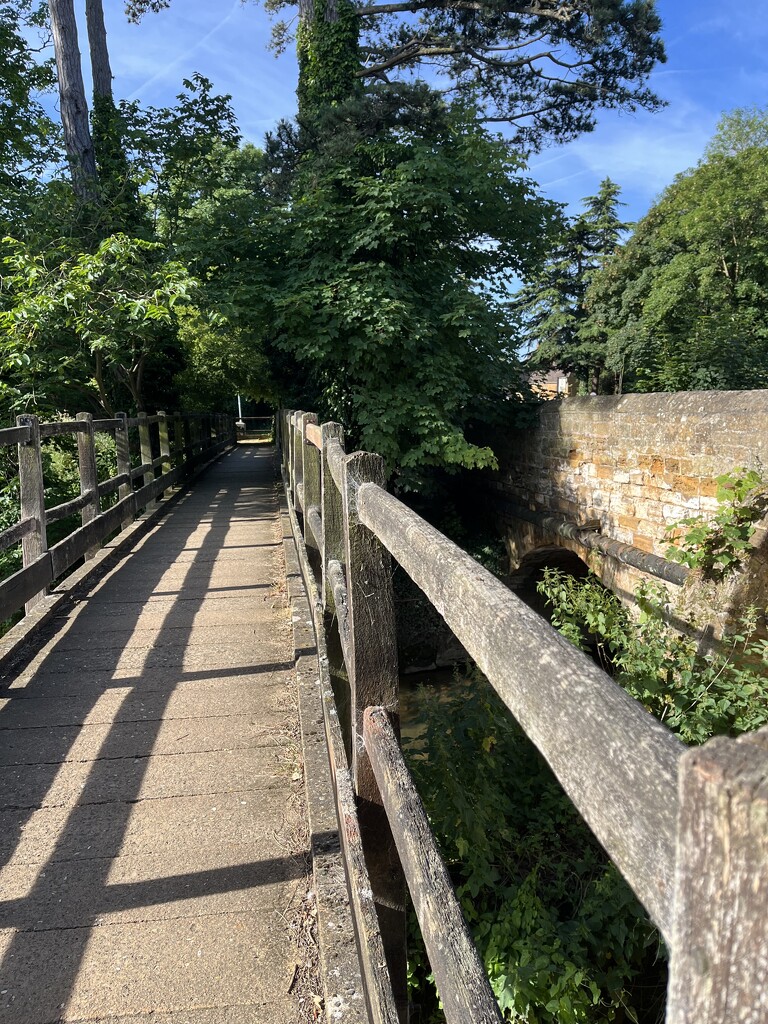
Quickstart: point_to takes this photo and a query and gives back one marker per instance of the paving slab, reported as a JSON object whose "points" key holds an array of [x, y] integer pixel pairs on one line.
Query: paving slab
{"points": [[163, 966], [59, 744], [113, 635], [161, 828], [172, 656], [186, 698], [253, 1013], [125, 779], [129, 890], [150, 672]]}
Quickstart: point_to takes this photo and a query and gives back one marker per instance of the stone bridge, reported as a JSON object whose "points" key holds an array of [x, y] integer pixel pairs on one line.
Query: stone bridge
{"points": [[601, 478]]}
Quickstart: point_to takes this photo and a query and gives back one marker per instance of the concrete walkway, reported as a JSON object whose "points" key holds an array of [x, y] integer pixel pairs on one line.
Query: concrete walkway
{"points": [[153, 864]]}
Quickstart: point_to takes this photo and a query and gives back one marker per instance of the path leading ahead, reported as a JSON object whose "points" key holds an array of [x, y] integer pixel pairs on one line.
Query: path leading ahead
{"points": [[152, 834]]}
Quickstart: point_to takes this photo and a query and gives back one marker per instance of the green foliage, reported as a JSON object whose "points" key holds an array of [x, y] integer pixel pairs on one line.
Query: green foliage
{"points": [[28, 137], [326, 48], [26, 132], [176, 152], [221, 361], [92, 319], [561, 935], [718, 546], [697, 695], [683, 304], [397, 256]]}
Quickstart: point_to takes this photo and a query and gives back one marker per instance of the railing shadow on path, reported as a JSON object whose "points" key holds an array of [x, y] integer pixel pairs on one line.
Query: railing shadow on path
{"points": [[97, 785]]}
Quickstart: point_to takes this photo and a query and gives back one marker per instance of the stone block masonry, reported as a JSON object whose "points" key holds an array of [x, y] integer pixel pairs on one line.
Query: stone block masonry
{"points": [[628, 465]]}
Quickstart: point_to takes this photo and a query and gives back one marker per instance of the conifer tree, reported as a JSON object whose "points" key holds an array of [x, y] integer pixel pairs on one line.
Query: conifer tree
{"points": [[551, 306]]}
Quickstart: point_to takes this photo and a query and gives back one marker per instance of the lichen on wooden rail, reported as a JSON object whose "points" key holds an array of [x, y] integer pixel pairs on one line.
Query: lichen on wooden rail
{"points": [[338, 582], [616, 762]]}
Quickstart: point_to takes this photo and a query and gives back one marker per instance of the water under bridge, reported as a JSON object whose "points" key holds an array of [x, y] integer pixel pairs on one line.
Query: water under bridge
{"points": [[186, 834]]}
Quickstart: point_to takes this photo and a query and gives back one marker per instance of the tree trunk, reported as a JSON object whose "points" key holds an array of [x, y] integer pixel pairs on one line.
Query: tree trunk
{"points": [[97, 41], [74, 109], [327, 53], [121, 207]]}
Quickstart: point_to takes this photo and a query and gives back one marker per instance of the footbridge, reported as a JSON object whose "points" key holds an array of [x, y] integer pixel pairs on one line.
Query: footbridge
{"points": [[195, 831]]}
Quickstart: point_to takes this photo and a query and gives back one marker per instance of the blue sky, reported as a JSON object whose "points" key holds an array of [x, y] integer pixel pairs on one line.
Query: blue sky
{"points": [[716, 61]]}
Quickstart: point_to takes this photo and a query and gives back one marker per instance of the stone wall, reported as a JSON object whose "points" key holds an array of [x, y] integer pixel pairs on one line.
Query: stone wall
{"points": [[627, 466]]}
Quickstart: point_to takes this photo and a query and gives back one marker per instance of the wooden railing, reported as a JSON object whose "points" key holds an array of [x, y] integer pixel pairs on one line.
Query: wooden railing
{"points": [[181, 442], [688, 828]]}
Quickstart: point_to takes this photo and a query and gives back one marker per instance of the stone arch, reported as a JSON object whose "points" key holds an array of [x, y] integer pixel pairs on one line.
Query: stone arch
{"points": [[524, 580]]}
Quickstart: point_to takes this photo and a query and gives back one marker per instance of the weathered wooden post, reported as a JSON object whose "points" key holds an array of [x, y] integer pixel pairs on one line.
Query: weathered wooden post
{"points": [[333, 513], [89, 475], [373, 677], [145, 443], [165, 444], [296, 463], [287, 440], [310, 473], [719, 961], [123, 454], [32, 494]]}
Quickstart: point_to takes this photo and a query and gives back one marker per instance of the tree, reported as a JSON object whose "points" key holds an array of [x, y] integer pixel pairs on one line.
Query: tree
{"points": [[396, 264], [89, 322], [179, 151], [552, 307], [685, 300], [542, 66], [28, 138], [121, 208], [25, 130], [73, 104]]}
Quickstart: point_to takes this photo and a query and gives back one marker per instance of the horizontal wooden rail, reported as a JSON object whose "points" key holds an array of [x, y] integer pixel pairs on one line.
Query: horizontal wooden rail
{"points": [[140, 471], [465, 991], [14, 435], [338, 581], [336, 459], [62, 427], [23, 586], [315, 523], [314, 435], [113, 484], [76, 544], [107, 426], [16, 533], [577, 716], [67, 508]]}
